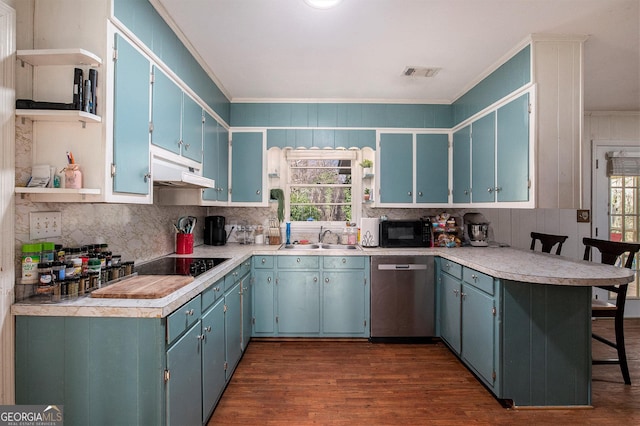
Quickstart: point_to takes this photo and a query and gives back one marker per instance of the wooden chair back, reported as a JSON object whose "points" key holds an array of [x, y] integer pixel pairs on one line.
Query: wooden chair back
{"points": [[548, 241]]}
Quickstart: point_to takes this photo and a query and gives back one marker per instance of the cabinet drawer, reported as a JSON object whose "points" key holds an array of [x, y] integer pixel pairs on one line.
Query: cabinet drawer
{"points": [[183, 318], [298, 262], [231, 278], [451, 268], [343, 262], [212, 294], [263, 262], [479, 280], [245, 268]]}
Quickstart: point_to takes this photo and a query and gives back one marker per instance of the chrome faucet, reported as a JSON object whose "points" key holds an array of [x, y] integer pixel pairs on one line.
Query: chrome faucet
{"points": [[322, 234]]}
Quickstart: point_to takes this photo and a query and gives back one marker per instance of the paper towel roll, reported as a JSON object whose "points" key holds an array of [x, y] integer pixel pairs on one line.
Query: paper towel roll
{"points": [[369, 231]]}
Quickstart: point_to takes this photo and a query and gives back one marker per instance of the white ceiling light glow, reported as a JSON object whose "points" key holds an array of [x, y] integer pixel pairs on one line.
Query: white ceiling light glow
{"points": [[322, 4]]}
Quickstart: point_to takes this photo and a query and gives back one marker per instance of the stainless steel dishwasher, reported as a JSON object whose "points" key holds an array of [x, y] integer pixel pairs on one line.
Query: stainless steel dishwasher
{"points": [[402, 297]]}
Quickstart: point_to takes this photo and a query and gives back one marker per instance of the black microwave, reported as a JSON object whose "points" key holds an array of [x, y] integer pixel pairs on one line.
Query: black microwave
{"points": [[405, 233]]}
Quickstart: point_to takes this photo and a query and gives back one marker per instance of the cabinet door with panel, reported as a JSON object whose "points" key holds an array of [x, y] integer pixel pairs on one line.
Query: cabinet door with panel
{"points": [[483, 153], [191, 134], [166, 112], [131, 120], [298, 302], [462, 165], [478, 337], [184, 387], [233, 328], [450, 314], [432, 170], [396, 168], [215, 164], [213, 358], [247, 169], [246, 287], [512, 128], [343, 303], [264, 303]]}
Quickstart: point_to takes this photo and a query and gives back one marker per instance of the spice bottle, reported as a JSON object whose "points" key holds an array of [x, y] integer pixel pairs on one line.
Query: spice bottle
{"points": [[29, 262]]}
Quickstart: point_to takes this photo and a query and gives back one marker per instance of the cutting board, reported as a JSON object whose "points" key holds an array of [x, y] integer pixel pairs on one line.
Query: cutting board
{"points": [[143, 287]]}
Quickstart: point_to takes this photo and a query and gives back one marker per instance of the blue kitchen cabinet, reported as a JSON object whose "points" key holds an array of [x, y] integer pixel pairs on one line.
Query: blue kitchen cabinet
{"points": [[166, 112], [177, 119], [345, 296], [396, 168], [191, 129], [233, 328], [264, 315], [215, 163], [480, 344], [483, 159], [184, 387], [343, 303], [450, 314], [512, 128], [462, 165], [213, 358], [298, 301], [432, 168], [131, 119], [530, 344], [246, 290], [247, 168]]}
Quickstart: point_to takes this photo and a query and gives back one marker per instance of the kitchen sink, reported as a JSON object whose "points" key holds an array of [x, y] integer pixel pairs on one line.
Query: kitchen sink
{"points": [[320, 246]]}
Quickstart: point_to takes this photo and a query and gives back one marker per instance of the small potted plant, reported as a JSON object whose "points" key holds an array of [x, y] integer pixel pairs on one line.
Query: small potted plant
{"points": [[366, 165], [367, 194]]}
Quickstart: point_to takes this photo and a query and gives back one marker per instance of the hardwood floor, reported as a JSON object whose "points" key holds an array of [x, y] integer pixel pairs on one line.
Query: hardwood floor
{"points": [[359, 383]]}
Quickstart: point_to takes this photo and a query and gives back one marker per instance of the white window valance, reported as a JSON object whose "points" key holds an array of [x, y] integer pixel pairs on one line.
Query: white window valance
{"points": [[621, 163]]}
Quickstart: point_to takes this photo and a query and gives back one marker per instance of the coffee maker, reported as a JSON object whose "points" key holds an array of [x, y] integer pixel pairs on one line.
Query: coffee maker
{"points": [[214, 233], [476, 230]]}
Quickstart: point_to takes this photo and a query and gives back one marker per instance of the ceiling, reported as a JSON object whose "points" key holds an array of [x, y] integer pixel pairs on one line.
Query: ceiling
{"points": [[284, 50]]}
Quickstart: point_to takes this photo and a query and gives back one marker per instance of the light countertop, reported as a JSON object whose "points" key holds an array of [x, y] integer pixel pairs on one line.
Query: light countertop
{"points": [[500, 262]]}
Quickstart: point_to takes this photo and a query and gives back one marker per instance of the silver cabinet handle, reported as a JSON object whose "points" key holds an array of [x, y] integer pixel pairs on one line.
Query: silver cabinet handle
{"points": [[189, 312], [466, 192], [498, 189], [344, 260], [409, 193], [298, 260], [419, 193], [455, 292], [490, 190], [180, 142], [326, 280], [264, 260], [315, 279], [258, 192], [446, 265], [208, 329], [146, 177], [186, 146], [201, 337], [268, 279], [463, 295]]}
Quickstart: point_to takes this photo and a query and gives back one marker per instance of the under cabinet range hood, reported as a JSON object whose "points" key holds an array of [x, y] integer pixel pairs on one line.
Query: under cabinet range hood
{"points": [[169, 174]]}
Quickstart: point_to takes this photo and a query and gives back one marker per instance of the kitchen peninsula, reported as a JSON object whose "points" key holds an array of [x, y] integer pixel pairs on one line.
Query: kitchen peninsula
{"points": [[116, 353]]}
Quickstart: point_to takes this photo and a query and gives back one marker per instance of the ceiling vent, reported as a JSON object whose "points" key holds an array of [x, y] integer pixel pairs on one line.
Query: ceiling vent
{"points": [[420, 72]]}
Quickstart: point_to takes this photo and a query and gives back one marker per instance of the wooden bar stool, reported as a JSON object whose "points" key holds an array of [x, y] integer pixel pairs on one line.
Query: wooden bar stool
{"points": [[548, 241], [611, 251]]}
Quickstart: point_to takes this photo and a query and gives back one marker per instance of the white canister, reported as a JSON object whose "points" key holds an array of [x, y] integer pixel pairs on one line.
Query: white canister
{"points": [[369, 231]]}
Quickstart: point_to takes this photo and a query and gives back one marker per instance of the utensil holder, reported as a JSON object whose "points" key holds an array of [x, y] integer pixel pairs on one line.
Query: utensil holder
{"points": [[184, 243]]}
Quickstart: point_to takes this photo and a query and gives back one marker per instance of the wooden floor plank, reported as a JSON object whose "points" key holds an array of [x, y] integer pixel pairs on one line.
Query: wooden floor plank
{"points": [[359, 383]]}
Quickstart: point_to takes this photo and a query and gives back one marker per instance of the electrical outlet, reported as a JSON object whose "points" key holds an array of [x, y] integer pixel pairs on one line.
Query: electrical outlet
{"points": [[584, 216], [45, 225]]}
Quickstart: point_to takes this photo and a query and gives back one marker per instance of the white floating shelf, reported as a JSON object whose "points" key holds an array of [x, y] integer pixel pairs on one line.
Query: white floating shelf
{"points": [[58, 115], [66, 191], [75, 56]]}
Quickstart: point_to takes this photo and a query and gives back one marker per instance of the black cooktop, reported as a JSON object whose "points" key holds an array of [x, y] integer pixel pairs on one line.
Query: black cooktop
{"points": [[193, 266]]}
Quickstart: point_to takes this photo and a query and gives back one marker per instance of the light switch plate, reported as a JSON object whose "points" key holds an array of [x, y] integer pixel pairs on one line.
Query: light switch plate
{"points": [[45, 225]]}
